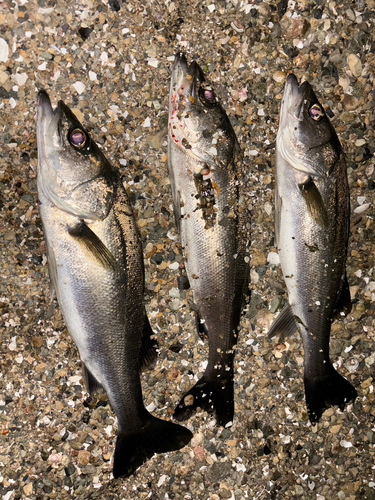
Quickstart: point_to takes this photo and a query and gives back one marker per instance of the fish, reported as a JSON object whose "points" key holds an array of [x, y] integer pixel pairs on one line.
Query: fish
{"points": [[95, 263], [204, 161], [312, 211]]}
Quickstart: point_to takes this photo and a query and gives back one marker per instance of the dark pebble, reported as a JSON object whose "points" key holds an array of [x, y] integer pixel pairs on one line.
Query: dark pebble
{"points": [[114, 5], [157, 258], [176, 347], [183, 282], [85, 33]]}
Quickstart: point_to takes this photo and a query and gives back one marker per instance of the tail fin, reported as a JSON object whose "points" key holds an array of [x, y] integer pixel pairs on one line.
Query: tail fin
{"points": [[212, 396], [157, 436], [325, 391]]}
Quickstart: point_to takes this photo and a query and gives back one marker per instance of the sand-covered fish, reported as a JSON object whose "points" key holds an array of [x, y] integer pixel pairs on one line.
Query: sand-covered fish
{"points": [[203, 160], [96, 267], [312, 229]]}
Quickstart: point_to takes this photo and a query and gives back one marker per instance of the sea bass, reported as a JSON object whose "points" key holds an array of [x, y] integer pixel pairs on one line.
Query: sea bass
{"points": [[96, 267], [312, 229], [203, 161]]}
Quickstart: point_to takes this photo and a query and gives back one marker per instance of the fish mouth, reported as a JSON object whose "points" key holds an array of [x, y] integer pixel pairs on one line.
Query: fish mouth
{"points": [[48, 122], [186, 79], [296, 97]]}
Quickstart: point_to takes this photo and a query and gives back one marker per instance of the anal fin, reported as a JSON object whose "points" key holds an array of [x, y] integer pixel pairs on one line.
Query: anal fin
{"points": [[284, 325], [92, 385]]}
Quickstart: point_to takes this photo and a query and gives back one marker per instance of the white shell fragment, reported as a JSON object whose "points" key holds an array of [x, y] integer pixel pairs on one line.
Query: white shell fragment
{"points": [[153, 62], [146, 123], [20, 79], [4, 50], [79, 87], [362, 208], [273, 258]]}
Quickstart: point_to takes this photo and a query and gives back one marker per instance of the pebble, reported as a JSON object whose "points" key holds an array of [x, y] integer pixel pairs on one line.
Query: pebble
{"points": [[355, 64], [279, 77], [256, 45], [84, 457], [4, 50], [335, 429], [28, 489]]}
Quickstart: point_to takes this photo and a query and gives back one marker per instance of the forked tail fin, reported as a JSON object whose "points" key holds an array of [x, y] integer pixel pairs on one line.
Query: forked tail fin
{"points": [[214, 396], [157, 436], [325, 391]]}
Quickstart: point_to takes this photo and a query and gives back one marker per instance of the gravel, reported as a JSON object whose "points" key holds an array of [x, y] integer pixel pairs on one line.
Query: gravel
{"points": [[110, 61]]}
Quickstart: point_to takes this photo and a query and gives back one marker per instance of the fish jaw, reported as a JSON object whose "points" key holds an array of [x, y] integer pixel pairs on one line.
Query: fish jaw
{"points": [[306, 138], [198, 126], [311, 226], [47, 140], [78, 180]]}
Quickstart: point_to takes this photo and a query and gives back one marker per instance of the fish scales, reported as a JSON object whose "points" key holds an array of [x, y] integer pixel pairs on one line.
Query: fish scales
{"points": [[96, 267], [311, 226], [204, 163]]}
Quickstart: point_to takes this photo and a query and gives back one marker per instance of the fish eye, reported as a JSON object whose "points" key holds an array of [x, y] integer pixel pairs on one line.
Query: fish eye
{"points": [[78, 138], [316, 112], [207, 95]]}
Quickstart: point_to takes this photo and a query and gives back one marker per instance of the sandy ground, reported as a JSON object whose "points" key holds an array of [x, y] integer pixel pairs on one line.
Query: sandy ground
{"points": [[111, 63]]}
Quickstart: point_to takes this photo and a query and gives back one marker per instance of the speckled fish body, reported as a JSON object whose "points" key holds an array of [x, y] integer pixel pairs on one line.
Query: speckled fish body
{"points": [[203, 156], [311, 225], [96, 267]]}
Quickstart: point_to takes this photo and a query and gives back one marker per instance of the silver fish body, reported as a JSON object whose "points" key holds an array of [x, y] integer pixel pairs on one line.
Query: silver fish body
{"points": [[311, 226], [203, 156], [96, 267]]}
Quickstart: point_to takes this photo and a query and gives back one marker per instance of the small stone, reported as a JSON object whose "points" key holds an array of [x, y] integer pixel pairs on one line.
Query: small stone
{"points": [[232, 442], [273, 258], [28, 489], [366, 384], [199, 454], [4, 76], [335, 429], [279, 77], [4, 50], [350, 102], [183, 282], [189, 400], [355, 65], [84, 457], [79, 87], [297, 28], [9, 235], [197, 440]]}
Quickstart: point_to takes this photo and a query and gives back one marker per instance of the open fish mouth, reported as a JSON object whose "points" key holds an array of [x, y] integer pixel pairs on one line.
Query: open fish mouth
{"points": [[296, 96], [48, 121], [186, 80]]}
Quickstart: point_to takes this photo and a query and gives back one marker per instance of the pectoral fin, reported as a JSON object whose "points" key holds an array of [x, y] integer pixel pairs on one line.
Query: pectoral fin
{"points": [[314, 201], [93, 245], [177, 211]]}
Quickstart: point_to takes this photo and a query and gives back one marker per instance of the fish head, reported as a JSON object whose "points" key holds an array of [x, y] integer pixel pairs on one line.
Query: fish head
{"points": [[198, 124], [72, 171], [306, 138]]}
